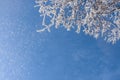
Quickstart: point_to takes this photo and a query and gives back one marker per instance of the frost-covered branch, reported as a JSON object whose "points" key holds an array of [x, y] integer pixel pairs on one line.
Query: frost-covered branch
{"points": [[96, 17]]}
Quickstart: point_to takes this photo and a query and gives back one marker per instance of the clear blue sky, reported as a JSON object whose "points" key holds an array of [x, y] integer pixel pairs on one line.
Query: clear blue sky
{"points": [[58, 55]]}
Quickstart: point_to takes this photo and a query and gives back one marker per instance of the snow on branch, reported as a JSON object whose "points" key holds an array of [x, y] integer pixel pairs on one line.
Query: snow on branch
{"points": [[98, 18]]}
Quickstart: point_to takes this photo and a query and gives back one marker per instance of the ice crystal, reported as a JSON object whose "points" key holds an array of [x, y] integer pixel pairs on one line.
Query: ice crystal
{"points": [[98, 18]]}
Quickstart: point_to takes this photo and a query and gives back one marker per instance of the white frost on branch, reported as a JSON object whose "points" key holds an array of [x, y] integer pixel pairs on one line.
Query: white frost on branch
{"points": [[96, 17]]}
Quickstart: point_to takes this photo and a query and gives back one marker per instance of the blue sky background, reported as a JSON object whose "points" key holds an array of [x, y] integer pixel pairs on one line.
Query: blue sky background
{"points": [[58, 55]]}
